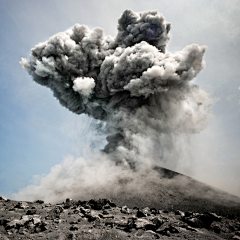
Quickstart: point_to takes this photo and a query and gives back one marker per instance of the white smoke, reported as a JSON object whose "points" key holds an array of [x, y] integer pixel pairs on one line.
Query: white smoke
{"points": [[142, 93], [84, 85]]}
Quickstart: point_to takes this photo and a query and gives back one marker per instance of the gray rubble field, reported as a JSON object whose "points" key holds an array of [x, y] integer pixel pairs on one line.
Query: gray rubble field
{"points": [[103, 219]]}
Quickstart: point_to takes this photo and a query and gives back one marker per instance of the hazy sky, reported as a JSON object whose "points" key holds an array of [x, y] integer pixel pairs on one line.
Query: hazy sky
{"points": [[37, 133]]}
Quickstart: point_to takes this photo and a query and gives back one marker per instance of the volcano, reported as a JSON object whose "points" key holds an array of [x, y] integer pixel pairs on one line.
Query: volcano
{"points": [[180, 192], [145, 100], [181, 208]]}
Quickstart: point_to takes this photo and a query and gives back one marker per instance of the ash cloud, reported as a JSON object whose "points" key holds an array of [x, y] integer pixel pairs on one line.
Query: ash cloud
{"points": [[143, 93]]}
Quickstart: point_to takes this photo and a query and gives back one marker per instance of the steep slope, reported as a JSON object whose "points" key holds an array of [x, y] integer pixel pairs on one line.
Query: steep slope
{"points": [[175, 191]]}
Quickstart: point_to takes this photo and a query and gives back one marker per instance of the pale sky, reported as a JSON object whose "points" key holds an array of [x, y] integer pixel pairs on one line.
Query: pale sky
{"points": [[37, 133]]}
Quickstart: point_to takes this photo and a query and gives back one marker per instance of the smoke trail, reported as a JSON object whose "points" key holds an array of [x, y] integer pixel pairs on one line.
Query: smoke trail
{"points": [[142, 92]]}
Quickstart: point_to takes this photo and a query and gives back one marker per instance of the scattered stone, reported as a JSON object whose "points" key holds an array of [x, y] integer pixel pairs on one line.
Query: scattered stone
{"points": [[109, 223], [36, 220], [107, 206], [39, 201], [23, 231], [237, 233], [178, 212], [76, 211], [191, 229], [195, 222], [31, 211], [125, 210], [108, 201], [74, 222], [122, 225], [74, 228], [235, 237], [4, 222], [96, 204], [149, 234], [141, 214], [157, 222], [145, 223], [55, 212], [146, 211], [153, 211], [105, 212], [165, 211], [12, 224], [108, 216], [21, 205], [2, 198], [188, 214], [58, 221], [141, 223], [85, 211], [69, 203]]}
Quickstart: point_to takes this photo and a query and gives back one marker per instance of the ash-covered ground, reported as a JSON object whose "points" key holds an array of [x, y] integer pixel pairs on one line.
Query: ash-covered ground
{"points": [[104, 219], [192, 210]]}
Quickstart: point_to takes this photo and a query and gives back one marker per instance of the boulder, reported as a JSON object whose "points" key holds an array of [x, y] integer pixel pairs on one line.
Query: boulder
{"points": [[2, 198], [105, 212], [36, 220], [165, 211], [125, 210], [106, 201], [149, 235], [235, 237], [12, 224], [107, 206], [195, 222], [208, 218], [122, 225], [153, 211], [55, 212], [4, 222], [39, 201], [68, 203], [146, 211], [167, 228], [141, 214], [188, 214], [74, 228], [31, 211], [96, 204], [178, 212], [21, 205], [141, 223], [85, 211], [157, 222]]}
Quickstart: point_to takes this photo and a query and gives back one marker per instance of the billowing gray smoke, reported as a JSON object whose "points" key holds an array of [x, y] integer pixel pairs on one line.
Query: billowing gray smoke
{"points": [[142, 92]]}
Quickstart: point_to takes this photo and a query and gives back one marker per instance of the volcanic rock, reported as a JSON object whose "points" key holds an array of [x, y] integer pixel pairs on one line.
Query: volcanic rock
{"points": [[2, 198], [21, 205], [58, 222], [141, 214], [31, 211], [39, 201]]}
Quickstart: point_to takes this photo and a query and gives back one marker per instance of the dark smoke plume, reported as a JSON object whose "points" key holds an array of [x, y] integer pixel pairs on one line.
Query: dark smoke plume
{"points": [[142, 92]]}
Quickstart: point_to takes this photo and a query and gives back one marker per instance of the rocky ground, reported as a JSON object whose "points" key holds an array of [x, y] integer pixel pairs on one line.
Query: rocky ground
{"points": [[103, 219]]}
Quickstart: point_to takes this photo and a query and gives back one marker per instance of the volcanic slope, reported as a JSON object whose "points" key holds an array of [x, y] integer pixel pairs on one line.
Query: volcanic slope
{"points": [[173, 191]]}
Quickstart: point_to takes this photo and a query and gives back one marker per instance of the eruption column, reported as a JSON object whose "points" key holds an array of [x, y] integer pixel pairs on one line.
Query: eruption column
{"points": [[131, 82]]}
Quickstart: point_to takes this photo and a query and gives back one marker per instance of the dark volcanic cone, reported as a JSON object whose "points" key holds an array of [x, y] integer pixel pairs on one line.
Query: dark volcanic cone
{"points": [[175, 191]]}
